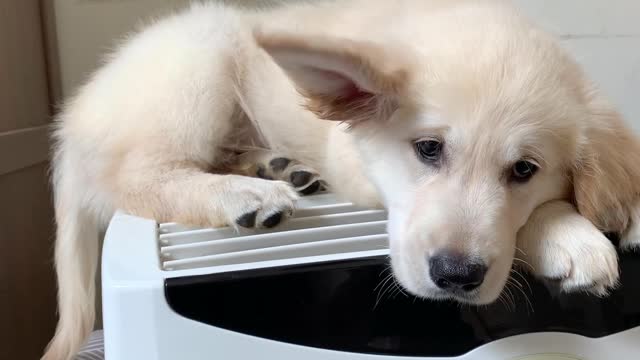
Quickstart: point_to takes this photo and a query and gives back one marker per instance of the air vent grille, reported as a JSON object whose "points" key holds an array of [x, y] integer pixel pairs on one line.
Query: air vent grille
{"points": [[321, 226]]}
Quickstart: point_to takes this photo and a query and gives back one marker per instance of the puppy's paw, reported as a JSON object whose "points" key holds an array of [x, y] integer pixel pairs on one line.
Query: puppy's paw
{"points": [[630, 241], [567, 249], [585, 263], [258, 203], [271, 166]]}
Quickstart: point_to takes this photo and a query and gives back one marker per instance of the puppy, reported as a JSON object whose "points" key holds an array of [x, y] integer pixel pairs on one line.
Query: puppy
{"points": [[471, 126]]}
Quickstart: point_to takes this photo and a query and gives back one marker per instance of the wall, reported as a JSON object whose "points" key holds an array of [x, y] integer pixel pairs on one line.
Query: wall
{"points": [[604, 36]]}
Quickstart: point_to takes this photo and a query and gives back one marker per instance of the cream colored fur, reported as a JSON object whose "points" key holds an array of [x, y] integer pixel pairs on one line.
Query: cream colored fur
{"points": [[153, 133]]}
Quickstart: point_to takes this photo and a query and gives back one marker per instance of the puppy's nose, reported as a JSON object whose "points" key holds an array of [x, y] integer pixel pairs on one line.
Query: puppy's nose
{"points": [[456, 272]]}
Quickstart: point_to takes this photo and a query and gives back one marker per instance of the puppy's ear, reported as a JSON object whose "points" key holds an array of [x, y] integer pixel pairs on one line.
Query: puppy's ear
{"points": [[606, 177], [341, 79]]}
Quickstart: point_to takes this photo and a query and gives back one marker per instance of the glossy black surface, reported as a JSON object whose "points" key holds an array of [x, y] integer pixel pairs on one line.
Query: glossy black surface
{"points": [[333, 306]]}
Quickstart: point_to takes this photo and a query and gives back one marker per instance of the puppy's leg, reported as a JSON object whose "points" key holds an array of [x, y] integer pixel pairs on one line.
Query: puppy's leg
{"points": [[561, 245], [190, 195], [631, 238], [269, 165]]}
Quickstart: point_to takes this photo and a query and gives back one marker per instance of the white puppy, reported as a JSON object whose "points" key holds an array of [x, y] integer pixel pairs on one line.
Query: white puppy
{"points": [[458, 116]]}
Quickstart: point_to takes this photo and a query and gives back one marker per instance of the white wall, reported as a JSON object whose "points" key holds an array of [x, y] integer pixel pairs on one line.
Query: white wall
{"points": [[603, 35]]}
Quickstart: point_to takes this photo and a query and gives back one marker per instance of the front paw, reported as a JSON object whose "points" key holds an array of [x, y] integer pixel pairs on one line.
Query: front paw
{"points": [[630, 240], [257, 203], [565, 248], [585, 264]]}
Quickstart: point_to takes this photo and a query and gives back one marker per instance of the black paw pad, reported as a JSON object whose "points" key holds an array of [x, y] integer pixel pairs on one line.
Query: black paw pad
{"points": [[299, 178], [313, 188], [262, 173], [279, 164], [247, 220], [273, 220]]}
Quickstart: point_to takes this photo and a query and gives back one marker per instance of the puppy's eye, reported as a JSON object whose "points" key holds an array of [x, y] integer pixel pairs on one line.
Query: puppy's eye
{"points": [[523, 170], [429, 150]]}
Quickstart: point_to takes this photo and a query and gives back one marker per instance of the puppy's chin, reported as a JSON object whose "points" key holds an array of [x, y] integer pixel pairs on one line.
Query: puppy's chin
{"points": [[482, 296]]}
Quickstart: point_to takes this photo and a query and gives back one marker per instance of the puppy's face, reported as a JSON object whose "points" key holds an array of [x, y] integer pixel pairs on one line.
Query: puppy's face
{"points": [[464, 137], [460, 173]]}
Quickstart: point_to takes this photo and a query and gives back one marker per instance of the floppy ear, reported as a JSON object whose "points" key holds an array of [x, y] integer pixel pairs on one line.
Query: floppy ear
{"points": [[606, 177], [341, 79]]}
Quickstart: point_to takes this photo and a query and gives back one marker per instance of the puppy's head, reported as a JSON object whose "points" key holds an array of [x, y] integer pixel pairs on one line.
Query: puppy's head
{"points": [[466, 124]]}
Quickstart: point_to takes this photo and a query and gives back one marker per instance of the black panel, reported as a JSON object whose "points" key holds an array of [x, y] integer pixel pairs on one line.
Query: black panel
{"points": [[333, 306]]}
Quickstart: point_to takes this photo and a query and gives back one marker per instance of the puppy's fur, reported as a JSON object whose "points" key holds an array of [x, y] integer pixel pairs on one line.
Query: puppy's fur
{"points": [[348, 88]]}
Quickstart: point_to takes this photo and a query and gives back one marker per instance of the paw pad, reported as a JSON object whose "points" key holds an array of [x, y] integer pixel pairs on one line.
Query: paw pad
{"points": [[313, 188], [273, 220], [300, 178], [279, 164], [247, 220], [262, 173]]}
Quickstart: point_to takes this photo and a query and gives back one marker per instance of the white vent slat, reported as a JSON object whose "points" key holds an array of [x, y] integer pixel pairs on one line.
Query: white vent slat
{"points": [[326, 210], [316, 200], [167, 228], [193, 236], [314, 205], [222, 246], [327, 247], [321, 226]]}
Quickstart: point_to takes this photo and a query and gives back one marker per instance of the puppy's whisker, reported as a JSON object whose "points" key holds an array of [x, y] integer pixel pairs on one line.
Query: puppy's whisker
{"points": [[506, 296], [383, 282], [388, 291], [387, 268], [397, 290], [524, 279], [501, 299], [384, 286], [516, 282], [526, 297], [400, 289], [524, 263], [510, 296]]}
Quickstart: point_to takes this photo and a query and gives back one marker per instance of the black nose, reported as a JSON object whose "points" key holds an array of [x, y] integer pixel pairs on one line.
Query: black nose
{"points": [[456, 272]]}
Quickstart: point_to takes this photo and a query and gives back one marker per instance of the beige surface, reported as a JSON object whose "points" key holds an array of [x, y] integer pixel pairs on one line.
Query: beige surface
{"points": [[23, 86], [87, 29], [27, 286], [24, 147]]}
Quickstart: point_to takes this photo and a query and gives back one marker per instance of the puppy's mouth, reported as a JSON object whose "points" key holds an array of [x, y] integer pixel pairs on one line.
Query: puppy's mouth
{"points": [[460, 296], [429, 292], [470, 298]]}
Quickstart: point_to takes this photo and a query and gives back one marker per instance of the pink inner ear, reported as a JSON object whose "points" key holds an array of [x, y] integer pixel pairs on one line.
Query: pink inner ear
{"points": [[352, 93], [345, 89], [335, 96]]}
